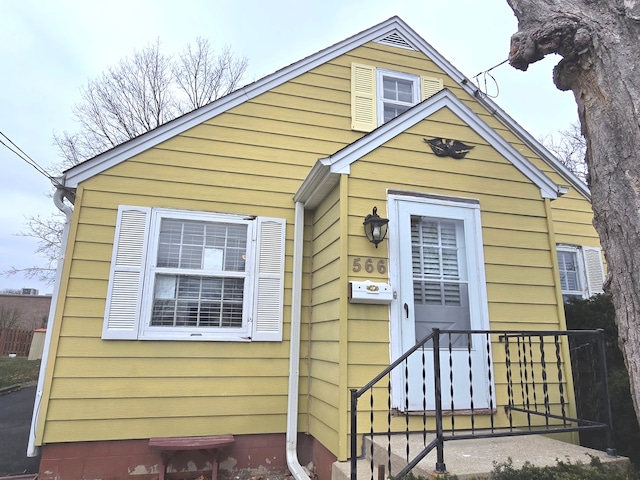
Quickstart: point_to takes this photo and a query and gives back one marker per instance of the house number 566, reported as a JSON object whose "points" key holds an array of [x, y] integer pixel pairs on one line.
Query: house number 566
{"points": [[369, 265]]}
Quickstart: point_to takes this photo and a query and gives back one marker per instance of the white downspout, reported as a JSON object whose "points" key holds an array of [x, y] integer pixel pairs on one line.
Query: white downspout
{"points": [[58, 200], [293, 463]]}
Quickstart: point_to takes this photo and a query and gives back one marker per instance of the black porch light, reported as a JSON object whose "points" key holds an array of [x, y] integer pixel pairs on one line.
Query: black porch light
{"points": [[375, 227]]}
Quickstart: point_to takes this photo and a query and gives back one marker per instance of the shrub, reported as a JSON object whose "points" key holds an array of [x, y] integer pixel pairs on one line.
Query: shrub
{"points": [[594, 313], [596, 470]]}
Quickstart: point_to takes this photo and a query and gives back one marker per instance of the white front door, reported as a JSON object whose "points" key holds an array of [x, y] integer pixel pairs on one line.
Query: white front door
{"points": [[437, 266]]}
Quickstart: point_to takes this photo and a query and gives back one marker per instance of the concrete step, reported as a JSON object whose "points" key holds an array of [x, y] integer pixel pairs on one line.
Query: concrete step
{"points": [[342, 470], [470, 458]]}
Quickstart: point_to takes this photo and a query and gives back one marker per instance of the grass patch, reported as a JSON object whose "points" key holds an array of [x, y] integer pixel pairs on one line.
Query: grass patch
{"points": [[18, 370]]}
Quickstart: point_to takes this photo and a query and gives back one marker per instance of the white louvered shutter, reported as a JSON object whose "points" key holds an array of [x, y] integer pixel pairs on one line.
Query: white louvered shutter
{"points": [[269, 273], [594, 269], [124, 294], [363, 97], [430, 86]]}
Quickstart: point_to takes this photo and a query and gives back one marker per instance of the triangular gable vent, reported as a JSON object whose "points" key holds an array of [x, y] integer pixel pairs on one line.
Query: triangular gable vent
{"points": [[394, 39]]}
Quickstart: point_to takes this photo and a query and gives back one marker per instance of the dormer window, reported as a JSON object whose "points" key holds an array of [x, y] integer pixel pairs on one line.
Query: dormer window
{"points": [[397, 93], [379, 95]]}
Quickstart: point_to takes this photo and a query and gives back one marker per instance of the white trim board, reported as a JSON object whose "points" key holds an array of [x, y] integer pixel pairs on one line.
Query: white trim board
{"points": [[339, 163]]}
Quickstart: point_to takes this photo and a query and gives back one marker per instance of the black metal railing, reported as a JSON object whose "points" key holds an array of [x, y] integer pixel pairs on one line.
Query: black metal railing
{"points": [[462, 384]]}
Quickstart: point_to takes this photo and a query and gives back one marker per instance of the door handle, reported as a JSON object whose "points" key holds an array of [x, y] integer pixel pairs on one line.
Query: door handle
{"points": [[406, 310]]}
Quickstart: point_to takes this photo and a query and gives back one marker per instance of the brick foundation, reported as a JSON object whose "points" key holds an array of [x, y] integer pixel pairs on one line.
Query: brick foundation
{"points": [[250, 456]]}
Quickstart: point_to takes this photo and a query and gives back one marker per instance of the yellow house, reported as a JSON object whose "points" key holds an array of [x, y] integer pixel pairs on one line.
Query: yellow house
{"points": [[217, 278]]}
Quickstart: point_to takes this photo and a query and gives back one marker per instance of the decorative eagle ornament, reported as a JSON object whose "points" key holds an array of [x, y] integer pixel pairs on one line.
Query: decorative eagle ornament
{"points": [[444, 147]]}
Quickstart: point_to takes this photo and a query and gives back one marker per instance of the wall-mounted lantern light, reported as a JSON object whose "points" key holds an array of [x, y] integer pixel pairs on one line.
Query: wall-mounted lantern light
{"points": [[375, 227]]}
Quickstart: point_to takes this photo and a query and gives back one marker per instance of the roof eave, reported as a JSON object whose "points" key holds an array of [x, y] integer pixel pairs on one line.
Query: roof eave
{"points": [[342, 159], [112, 157]]}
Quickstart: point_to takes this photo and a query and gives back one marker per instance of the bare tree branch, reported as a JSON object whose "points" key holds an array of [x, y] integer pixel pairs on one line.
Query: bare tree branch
{"points": [[145, 91], [140, 93], [570, 147], [202, 76]]}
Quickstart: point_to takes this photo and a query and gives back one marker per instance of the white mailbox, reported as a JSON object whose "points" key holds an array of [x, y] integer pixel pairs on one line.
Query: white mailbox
{"points": [[370, 292]]}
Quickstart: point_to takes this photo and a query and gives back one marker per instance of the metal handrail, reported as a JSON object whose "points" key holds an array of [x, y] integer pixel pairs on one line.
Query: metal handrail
{"points": [[504, 336]]}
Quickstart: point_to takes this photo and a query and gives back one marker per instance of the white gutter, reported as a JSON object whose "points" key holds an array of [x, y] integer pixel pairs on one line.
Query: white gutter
{"points": [[58, 200], [293, 463]]}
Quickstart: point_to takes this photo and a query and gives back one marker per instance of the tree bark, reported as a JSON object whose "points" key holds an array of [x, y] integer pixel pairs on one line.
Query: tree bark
{"points": [[599, 43]]}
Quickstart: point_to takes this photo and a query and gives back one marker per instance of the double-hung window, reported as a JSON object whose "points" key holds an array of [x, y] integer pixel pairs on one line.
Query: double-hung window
{"points": [[182, 275], [379, 95], [570, 274], [397, 93], [581, 271], [200, 271]]}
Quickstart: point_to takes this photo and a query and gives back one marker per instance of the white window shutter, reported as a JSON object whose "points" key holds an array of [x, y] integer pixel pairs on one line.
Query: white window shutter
{"points": [[269, 278], [124, 295], [363, 97], [594, 269], [430, 86]]}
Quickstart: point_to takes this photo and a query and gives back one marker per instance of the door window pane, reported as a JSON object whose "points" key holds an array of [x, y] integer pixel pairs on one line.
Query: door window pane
{"points": [[440, 286]]}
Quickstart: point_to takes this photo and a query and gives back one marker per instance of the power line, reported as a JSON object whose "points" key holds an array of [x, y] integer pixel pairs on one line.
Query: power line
{"points": [[22, 155], [486, 75]]}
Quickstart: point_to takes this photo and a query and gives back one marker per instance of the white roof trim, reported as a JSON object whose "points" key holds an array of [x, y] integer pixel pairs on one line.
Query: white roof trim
{"points": [[110, 158], [339, 162], [317, 185], [394, 25]]}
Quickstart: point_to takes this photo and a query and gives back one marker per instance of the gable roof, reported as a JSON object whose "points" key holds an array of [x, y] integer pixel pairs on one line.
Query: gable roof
{"points": [[324, 175], [393, 31]]}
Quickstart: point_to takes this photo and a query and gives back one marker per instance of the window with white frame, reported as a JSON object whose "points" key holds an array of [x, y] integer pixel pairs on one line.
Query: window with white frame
{"points": [[581, 271], [181, 275], [397, 93], [379, 95], [200, 272]]}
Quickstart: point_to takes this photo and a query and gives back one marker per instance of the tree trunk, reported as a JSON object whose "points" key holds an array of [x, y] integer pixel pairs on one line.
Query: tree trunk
{"points": [[599, 43]]}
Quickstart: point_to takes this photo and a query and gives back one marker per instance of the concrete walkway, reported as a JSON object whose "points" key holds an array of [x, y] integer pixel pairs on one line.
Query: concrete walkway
{"points": [[476, 457], [466, 458]]}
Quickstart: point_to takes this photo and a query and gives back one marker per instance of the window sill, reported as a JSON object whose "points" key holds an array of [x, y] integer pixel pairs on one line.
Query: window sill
{"points": [[191, 337]]}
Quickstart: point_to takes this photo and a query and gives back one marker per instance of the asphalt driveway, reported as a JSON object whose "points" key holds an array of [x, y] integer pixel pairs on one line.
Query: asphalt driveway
{"points": [[15, 420]]}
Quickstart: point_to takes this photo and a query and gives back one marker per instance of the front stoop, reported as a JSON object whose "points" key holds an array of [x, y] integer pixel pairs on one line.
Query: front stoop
{"points": [[469, 458]]}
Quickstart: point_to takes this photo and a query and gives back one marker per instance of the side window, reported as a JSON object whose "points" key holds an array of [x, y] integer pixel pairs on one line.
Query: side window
{"points": [[179, 275], [570, 274], [581, 271], [379, 95]]}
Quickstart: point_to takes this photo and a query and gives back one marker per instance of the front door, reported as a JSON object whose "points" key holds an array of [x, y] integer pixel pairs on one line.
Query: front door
{"points": [[437, 266]]}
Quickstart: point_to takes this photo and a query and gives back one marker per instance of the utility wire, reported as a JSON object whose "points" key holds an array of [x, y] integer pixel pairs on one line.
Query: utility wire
{"points": [[16, 150], [486, 75]]}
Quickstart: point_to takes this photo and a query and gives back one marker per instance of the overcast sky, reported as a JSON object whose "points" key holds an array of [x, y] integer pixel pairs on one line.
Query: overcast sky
{"points": [[50, 49]]}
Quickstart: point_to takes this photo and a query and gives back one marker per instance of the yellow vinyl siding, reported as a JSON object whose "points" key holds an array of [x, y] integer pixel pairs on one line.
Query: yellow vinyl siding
{"points": [[571, 211], [117, 429], [158, 387], [81, 354], [521, 284], [324, 340]]}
